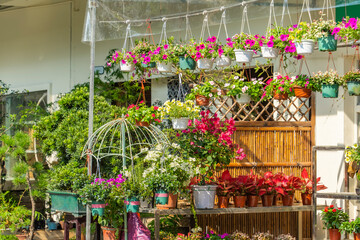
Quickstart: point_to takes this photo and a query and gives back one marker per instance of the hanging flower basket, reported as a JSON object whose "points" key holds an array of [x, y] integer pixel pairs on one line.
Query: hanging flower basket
{"points": [[244, 98], [223, 61], [180, 123], [202, 100], [302, 92], [142, 124], [127, 67], [269, 52], [328, 43], [97, 208], [161, 197], [205, 63], [353, 88], [330, 90], [204, 196], [305, 46], [187, 63], [281, 96], [149, 65], [164, 67], [132, 205], [243, 56]]}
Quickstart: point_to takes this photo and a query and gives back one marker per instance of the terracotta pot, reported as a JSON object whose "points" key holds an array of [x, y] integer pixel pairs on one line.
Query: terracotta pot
{"points": [[252, 200], [223, 201], [306, 198], [142, 124], [334, 234], [109, 233], [240, 201], [267, 200], [202, 100], [302, 92], [288, 200], [172, 202], [21, 236], [356, 236], [62, 224], [280, 96]]}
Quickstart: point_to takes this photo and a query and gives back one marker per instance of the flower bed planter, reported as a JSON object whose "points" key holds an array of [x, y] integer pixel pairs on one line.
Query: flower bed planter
{"points": [[302, 92], [66, 202], [180, 123], [239, 201], [334, 234], [330, 91], [306, 198], [305, 46], [252, 200], [164, 67], [204, 196], [243, 56], [328, 43], [223, 61], [281, 96], [172, 202], [353, 88], [132, 205], [161, 197], [223, 201], [205, 63], [97, 208], [126, 67], [187, 63], [269, 52], [202, 100]]}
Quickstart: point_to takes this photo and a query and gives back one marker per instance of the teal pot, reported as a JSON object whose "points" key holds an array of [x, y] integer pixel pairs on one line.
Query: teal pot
{"points": [[98, 208], [161, 197], [353, 88], [52, 225], [66, 202], [187, 63], [330, 90], [149, 65], [328, 43], [132, 204]]}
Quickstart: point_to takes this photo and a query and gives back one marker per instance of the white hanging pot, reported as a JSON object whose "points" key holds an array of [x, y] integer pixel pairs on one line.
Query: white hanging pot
{"points": [[164, 67], [305, 47], [127, 67], [244, 98], [180, 123], [243, 56], [269, 52], [223, 61], [205, 63], [204, 196]]}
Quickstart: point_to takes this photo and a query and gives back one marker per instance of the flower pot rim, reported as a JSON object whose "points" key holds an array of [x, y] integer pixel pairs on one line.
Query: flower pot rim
{"points": [[240, 50], [305, 40]]}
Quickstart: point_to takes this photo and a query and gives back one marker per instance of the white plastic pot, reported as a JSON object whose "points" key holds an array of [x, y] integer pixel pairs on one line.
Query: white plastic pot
{"points": [[244, 98], [180, 123], [164, 67], [305, 47], [127, 67], [243, 56], [223, 61], [205, 63], [269, 52], [204, 196]]}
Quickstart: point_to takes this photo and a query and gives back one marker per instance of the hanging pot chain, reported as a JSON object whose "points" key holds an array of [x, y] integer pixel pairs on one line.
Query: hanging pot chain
{"points": [[223, 22], [205, 26], [163, 35], [188, 33], [244, 19]]}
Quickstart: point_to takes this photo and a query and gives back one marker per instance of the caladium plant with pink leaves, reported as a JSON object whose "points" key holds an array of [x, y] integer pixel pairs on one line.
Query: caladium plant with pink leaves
{"points": [[307, 183], [271, 184]]}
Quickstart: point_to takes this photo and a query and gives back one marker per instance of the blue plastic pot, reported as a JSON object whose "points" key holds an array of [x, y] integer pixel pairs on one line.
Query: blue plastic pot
{"points": [[328, 43], [52, 225], [132, 204], [187, 63], [161, 197], [149, 65], [330, 90], [353, 88], [97, 208]]}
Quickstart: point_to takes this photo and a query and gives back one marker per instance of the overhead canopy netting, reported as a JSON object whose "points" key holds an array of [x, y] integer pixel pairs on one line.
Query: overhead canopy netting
{"points": [[186, 17]]}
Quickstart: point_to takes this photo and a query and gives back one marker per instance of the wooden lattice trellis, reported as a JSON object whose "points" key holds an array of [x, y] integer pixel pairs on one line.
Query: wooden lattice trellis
{"points": [[293, 109]]}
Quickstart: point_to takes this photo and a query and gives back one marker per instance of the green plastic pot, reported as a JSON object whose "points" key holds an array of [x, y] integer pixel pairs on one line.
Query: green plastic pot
{"points": [[132, 204], [149, 65], [328, 43], [353, 88], [66, 202], [330, 90], [187, 63], [161, 197], [98, 208]]}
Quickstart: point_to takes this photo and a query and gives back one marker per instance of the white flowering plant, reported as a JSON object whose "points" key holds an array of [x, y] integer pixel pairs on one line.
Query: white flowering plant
{"points": [[323, 28], [352, 153], [329, 77], [239, 85], [176, 109], [205, 89]]}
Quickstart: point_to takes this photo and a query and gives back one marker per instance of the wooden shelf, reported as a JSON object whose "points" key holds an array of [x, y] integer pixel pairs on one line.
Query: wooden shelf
{"points": [[340, 195]]}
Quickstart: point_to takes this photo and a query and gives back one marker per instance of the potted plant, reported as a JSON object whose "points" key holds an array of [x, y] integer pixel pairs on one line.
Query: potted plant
{"points": [[332, 219], [237, 235], [325, 31], [289, 183], [351, 227], [186, 55], [239, 190], [262, 236], [352, 157], [143, 115], [304, 85], [285, 237], [179, 112], [349, 30], [245, 91], [279, 38], [164, 56], [270, 188], [330, 82], [244, 47], [304, 37], [280, 87], [206, 52], [253, 184], [144, 50], [126, 60], [208, 142], [352, 79], [224, 189], [226, 53], [307, 187], [201, 93], [267, 47]]}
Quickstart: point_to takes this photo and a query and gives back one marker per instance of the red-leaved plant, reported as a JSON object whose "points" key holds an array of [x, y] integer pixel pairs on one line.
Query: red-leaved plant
{"points": [[289, 183], [240, 185], [307, 183], [271, 184], [253, 184], [225, 186]]}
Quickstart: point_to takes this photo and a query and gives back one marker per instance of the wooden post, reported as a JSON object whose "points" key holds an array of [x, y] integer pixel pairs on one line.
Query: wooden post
{"points": [[66, 229], [157, 225], [300, 225], [78, 229]]}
